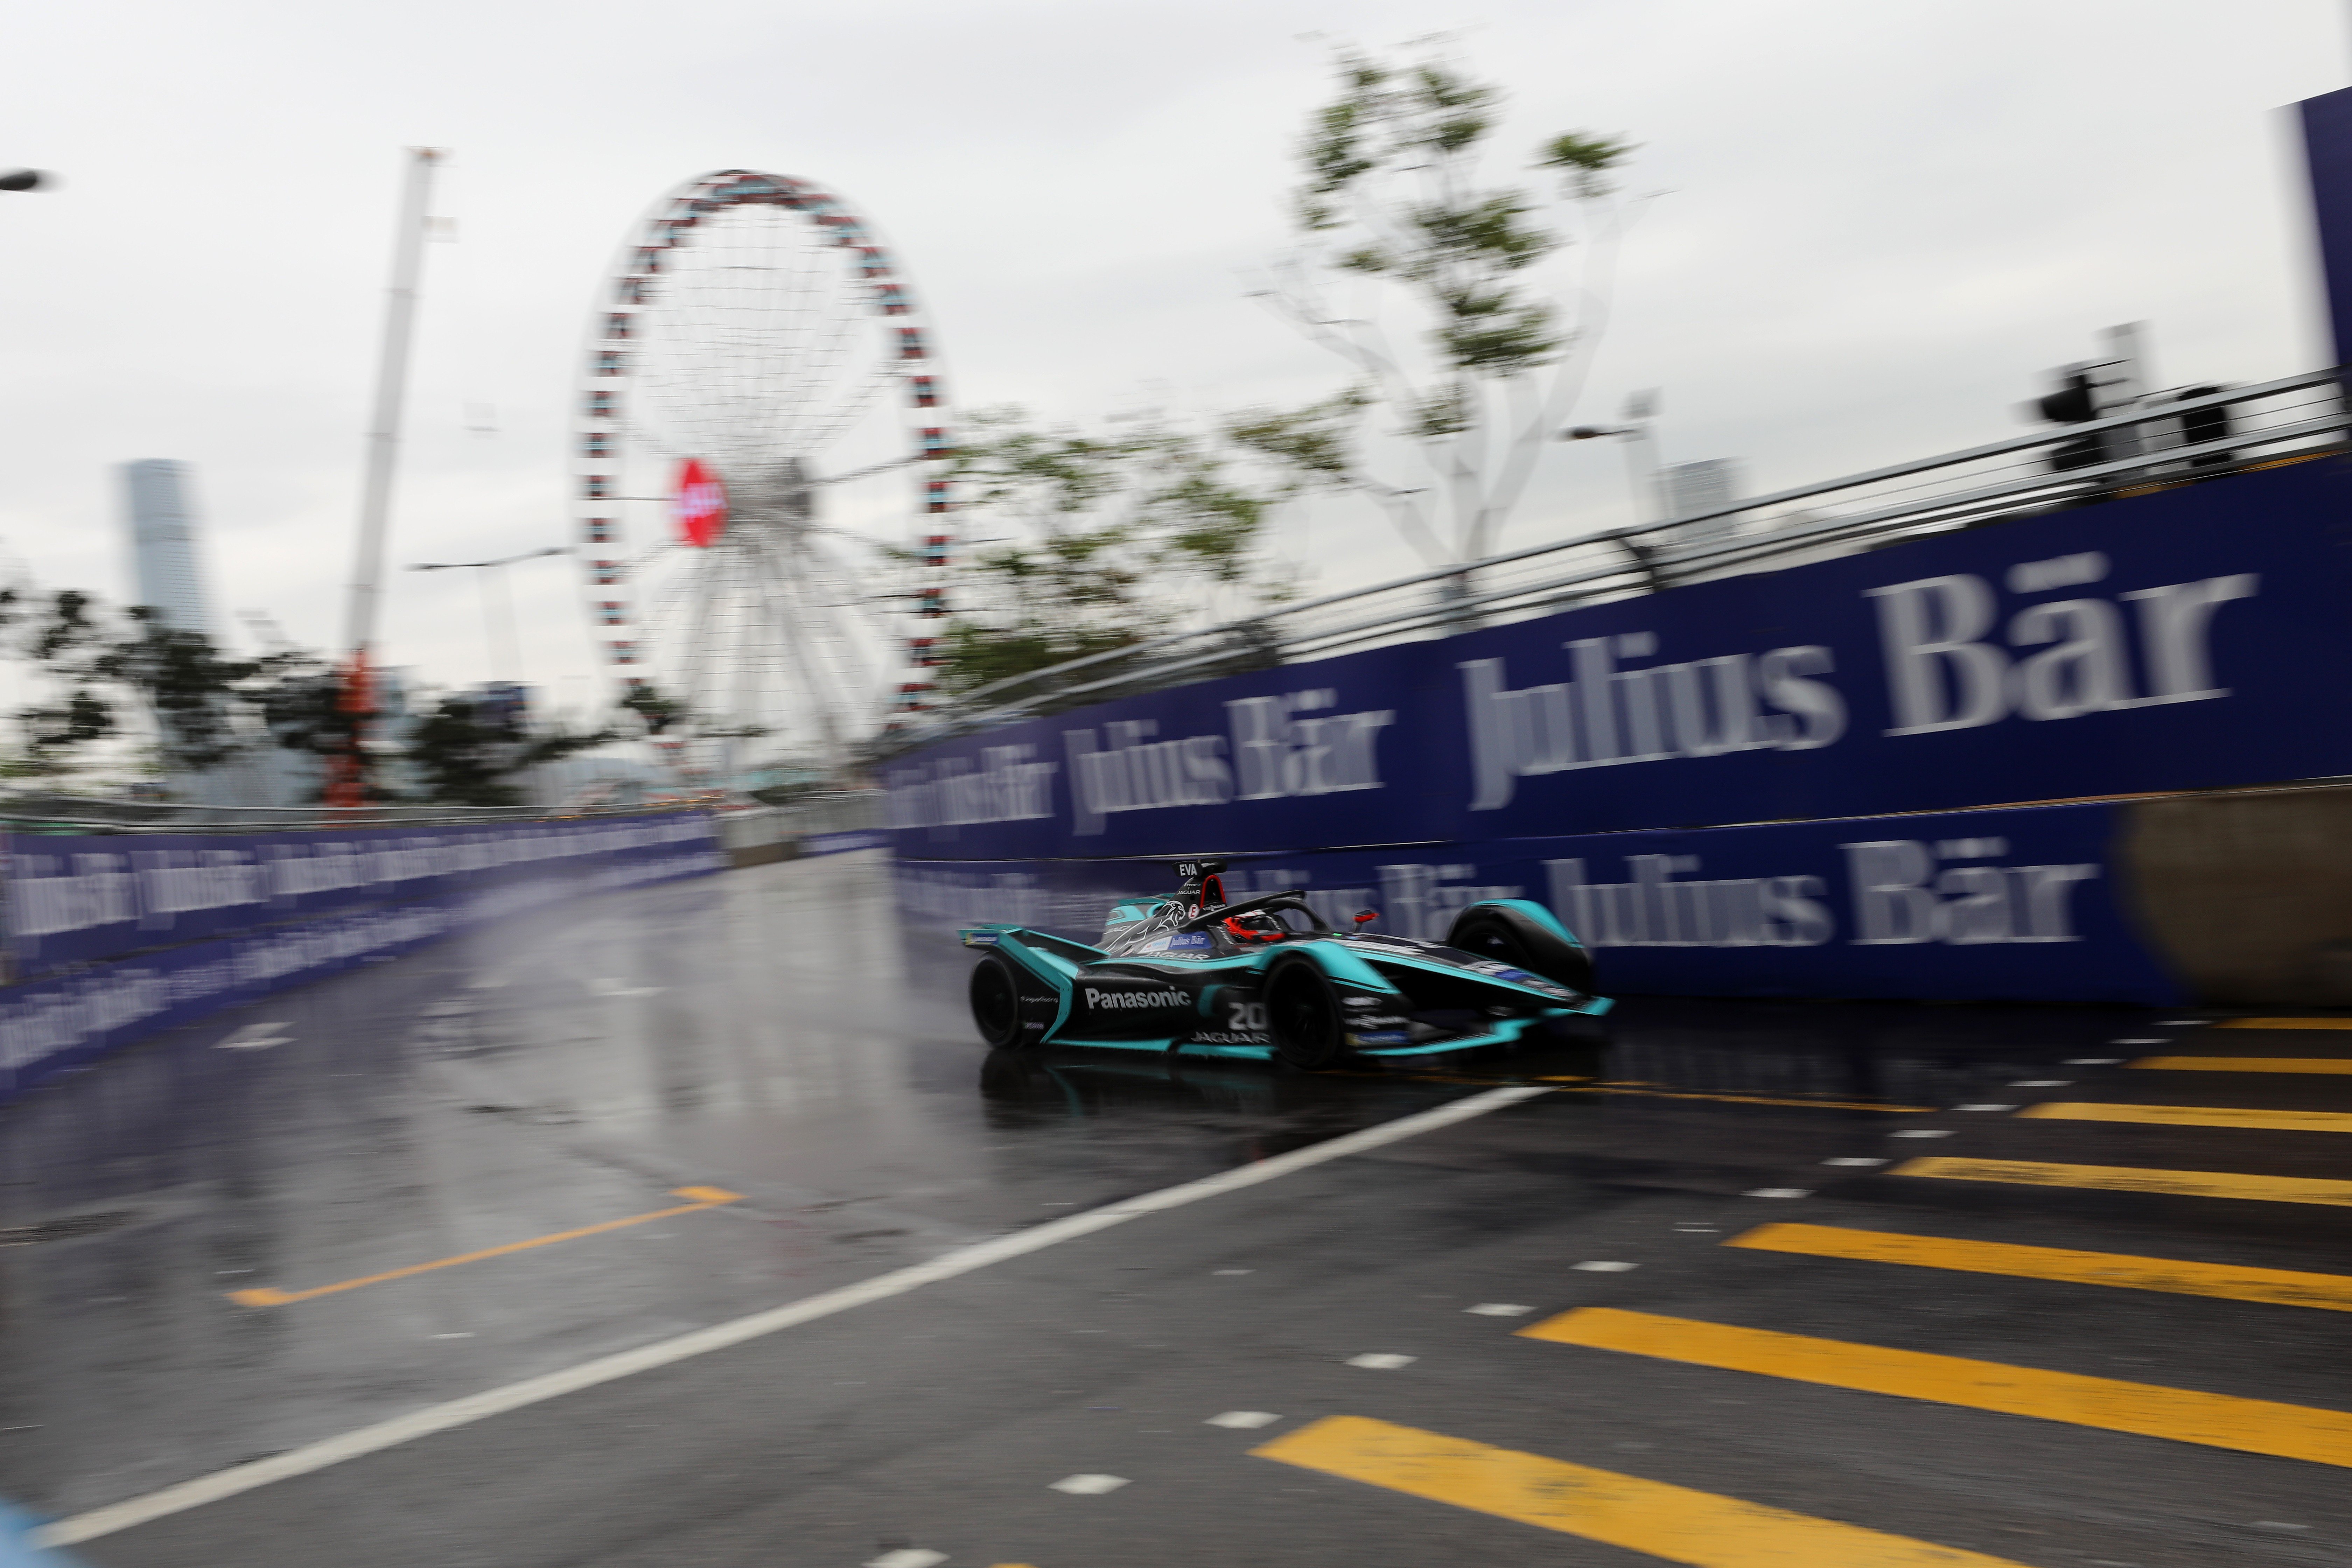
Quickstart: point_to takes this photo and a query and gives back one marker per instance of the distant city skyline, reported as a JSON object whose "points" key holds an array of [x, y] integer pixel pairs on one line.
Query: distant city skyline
{"points": [[167, 568]]}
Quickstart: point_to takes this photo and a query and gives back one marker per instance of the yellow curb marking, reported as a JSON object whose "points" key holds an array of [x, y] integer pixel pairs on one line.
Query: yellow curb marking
{"points": [[2179, 1415], [2277, 1287], [704, 1198], [2249, 1064], [2134, 1179], [2197, 1116], [1760, 1099], [1675, 1524]]}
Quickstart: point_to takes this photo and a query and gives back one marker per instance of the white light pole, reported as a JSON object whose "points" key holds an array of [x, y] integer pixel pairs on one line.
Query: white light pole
{"points": [[347, 769], [1643, 467], [498, 617], [391, 392]]}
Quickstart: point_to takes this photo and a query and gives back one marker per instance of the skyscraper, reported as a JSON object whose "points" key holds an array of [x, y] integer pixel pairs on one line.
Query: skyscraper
{"points": [[164, 557]]}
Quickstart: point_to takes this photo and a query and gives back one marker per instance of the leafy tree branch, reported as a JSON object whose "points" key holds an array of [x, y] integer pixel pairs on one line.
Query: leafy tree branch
{"points": [[1390, 198], [1109, 540]]}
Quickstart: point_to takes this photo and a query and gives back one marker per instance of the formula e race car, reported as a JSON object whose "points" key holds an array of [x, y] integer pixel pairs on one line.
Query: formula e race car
{"points": [[1268, 976]]}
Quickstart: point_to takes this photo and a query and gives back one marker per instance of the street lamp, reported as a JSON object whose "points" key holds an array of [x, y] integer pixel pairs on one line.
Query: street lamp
{"points": [[498, 611], [1642, 467]]}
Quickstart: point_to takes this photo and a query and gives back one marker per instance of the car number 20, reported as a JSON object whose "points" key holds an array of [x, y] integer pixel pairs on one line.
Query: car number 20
{"points": [[1245, 1016]]}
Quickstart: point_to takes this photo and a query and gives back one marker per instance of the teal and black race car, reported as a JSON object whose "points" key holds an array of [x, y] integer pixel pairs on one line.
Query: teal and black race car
{"points": [[1268, 976]]}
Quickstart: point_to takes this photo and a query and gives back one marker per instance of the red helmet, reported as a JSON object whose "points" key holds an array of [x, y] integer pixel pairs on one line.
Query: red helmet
{"points": [[1255, 925]]}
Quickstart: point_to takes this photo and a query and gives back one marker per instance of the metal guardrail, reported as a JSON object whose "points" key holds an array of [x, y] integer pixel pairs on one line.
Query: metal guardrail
{"points": [[834, 812], [82, 814], [2138, 453], [843, 812]]}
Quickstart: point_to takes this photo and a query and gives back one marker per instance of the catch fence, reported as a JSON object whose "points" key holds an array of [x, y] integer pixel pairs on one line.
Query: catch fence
{"points": [[2187, 441]]}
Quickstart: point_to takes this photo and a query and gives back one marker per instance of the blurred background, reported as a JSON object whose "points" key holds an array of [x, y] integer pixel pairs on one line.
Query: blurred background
{"points": [[1854, 234], [782, 377]]}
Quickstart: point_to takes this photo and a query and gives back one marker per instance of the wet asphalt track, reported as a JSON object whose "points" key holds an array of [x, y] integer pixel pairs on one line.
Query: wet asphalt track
{"points": [[772, 1043]]}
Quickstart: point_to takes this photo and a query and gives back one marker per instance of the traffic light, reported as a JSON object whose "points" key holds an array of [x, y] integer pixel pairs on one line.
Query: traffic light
{"points": [[2077, 401], [2096, 389], [2199, 425]]}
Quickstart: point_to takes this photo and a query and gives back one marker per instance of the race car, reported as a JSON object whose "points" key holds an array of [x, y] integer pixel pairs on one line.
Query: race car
{"points": [[1267, 976]]}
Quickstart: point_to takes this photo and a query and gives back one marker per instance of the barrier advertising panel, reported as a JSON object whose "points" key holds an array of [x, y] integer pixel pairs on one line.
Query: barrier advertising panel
{"points": [[2024, 905], [2188, 639], [113, 937]]}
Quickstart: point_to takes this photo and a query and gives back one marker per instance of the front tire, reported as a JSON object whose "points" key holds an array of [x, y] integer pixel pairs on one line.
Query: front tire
{"points": [[1507, 937], [996, 994], [1302, 1015]]}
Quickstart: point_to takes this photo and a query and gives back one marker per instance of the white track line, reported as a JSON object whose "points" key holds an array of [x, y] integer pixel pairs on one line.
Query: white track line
{"points": [[607, 1369]]}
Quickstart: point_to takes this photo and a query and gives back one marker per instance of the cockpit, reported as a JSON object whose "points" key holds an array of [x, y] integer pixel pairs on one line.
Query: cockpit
{"points": [[1176, 926]]}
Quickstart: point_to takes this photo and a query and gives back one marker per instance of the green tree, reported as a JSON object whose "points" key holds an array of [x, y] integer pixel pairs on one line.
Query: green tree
{"points": [[1107, 541], [191, 695], [657, 712], [1391, 200], [54, 731], [301, 705], [110, 669], [467, 753], [65, 639]]}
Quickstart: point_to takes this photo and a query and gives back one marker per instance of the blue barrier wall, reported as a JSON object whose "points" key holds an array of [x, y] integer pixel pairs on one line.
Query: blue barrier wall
{"points": [[2026, 904], [2188, 639], [116, 937], [1601, 759]]}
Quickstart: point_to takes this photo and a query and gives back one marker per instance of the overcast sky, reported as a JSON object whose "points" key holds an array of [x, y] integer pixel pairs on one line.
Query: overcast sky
{"points": [[1876, 224]]}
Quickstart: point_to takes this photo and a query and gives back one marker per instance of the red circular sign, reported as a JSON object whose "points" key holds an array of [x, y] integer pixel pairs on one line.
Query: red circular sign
{"points": [[699, 503]]}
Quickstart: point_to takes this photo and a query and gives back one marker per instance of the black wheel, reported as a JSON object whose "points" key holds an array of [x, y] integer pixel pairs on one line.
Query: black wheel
{"points": [[996, 1002], [1302, 1016], [1510, 938]]}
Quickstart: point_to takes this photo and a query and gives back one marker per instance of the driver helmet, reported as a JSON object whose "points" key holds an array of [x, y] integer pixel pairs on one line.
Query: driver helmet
{"points": [[1255, 925]]}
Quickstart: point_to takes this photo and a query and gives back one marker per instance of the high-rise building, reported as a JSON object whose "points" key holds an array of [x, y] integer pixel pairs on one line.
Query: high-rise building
{"points": [[165, 561], [167, 574]]}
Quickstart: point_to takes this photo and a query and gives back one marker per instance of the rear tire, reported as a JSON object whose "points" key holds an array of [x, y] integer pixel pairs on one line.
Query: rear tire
{"points": [[995, 993], [1493, 933], [1302, 1015]]}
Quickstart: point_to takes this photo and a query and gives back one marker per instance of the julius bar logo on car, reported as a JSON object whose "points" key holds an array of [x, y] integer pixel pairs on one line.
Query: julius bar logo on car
{"points": [[1114, 1001]]}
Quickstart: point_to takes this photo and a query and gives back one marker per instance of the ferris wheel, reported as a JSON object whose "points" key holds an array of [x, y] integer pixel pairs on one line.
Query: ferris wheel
{"points": [[759, 392]]}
